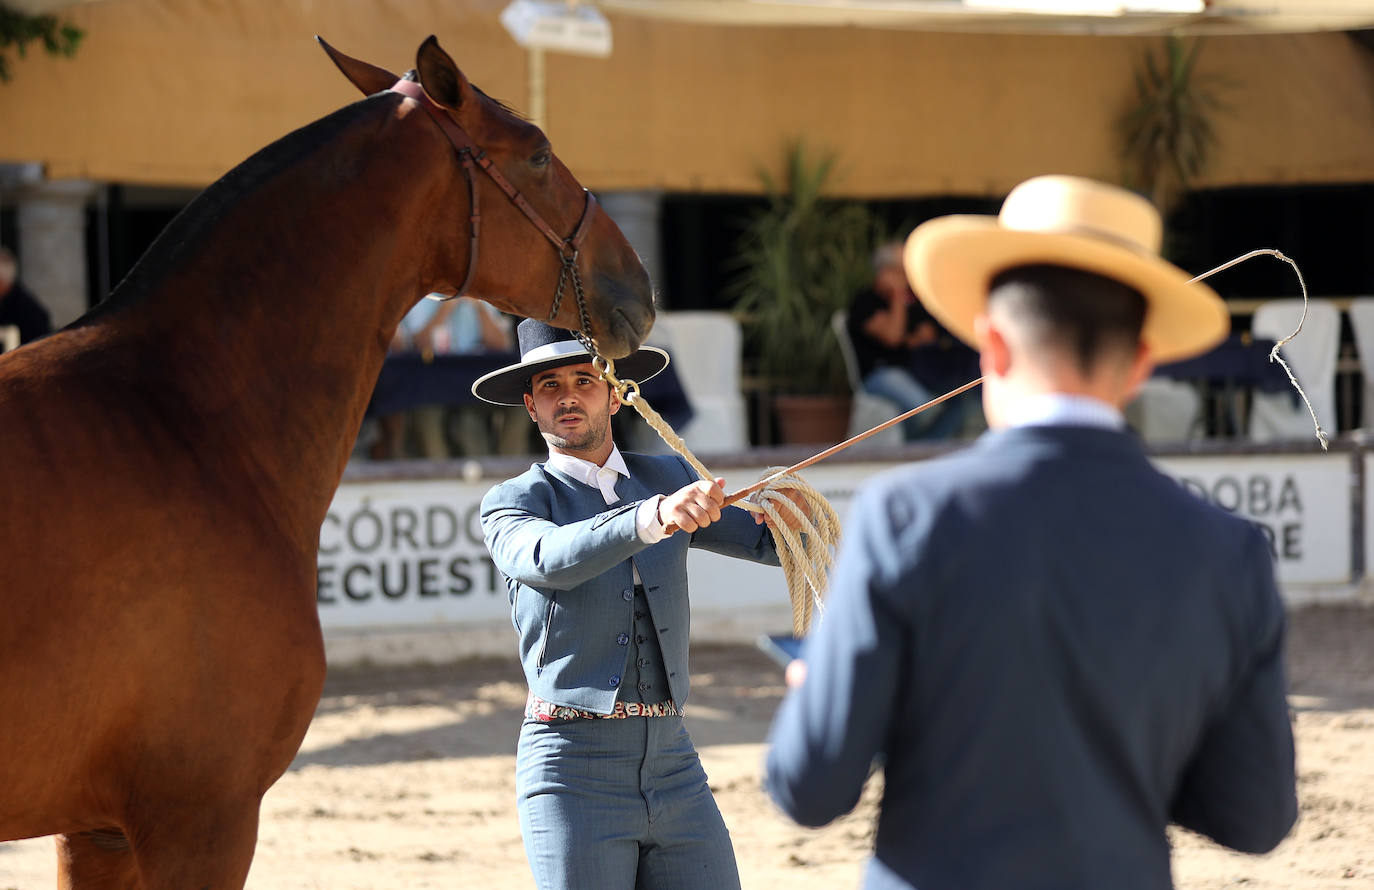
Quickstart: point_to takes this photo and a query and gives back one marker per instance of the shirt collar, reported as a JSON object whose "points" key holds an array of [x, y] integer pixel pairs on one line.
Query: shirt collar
{"points": [[1061, 409], [585, 471]]}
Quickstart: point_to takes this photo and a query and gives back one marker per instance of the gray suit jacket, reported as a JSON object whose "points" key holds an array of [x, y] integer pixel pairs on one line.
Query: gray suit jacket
{"points": [[1057, 650], [567, 560]]}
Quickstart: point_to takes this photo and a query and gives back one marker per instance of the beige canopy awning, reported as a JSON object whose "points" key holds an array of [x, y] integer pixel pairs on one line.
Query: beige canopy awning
{"points": [[1119, 17], [175, 92]]}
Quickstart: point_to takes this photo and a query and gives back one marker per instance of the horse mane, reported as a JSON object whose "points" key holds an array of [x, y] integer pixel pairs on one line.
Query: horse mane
{"points": [[197, 221], [502, 106]]}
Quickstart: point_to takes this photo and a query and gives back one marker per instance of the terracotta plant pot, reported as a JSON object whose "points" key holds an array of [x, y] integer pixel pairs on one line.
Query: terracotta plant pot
{"points": [[807, 420]]}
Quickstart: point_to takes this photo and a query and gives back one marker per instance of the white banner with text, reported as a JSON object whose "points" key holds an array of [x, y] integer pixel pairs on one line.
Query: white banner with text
{"points": [[410, 554], [1302, 503]]}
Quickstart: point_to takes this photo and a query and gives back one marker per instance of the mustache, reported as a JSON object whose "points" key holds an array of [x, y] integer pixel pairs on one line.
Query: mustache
{"points": [[564, 412]]}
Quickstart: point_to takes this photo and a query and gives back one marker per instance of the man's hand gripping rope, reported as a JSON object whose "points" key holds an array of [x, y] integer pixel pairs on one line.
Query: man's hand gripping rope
{"points": [[804, 525]]}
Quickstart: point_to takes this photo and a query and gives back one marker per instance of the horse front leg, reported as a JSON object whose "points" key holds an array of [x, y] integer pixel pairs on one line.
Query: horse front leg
{"points": [[210, 848], [207, 847], [96, 859]]}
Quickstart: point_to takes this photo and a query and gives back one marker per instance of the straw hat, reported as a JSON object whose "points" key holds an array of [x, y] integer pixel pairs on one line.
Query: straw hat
{"points": [[542, 347], [1064, 221]]}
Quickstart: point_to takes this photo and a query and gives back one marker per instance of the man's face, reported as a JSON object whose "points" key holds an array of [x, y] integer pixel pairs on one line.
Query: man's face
{"points": [[572, 407]]}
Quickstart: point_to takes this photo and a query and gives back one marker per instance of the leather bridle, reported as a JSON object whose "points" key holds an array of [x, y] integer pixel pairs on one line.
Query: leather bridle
{"points": [[472, 157]]}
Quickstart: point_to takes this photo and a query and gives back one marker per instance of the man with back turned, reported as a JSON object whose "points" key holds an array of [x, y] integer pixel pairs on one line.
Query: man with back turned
{"points": [[1055, 649]]}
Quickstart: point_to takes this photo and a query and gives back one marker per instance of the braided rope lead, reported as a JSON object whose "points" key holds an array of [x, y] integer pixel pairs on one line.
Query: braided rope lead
{"points": [[806, 552]]}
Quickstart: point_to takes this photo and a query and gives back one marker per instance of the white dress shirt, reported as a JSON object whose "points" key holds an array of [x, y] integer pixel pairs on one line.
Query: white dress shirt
{"points": [[604, 478]]}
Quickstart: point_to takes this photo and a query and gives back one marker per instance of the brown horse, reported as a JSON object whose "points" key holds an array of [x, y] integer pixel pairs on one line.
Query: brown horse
{"points": [[166, 462]]}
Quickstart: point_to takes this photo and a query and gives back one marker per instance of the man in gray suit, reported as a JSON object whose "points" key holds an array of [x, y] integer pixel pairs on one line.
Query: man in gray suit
{"points": [[611, 792], [1053, 647]]}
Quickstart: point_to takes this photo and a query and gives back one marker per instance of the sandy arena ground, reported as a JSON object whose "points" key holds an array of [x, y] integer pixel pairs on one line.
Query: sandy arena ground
{"points": [[405, 781]]}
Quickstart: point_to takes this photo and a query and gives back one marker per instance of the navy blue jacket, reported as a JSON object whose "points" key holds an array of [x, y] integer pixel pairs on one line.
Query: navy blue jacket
{"points": [[1057, 651]]}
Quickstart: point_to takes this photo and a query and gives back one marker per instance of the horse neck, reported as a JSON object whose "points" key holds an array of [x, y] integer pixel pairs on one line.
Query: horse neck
{"points": [[276, 332]]}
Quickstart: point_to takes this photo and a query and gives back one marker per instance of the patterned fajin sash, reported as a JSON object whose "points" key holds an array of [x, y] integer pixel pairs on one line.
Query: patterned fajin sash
{"points": [[545, 712]]}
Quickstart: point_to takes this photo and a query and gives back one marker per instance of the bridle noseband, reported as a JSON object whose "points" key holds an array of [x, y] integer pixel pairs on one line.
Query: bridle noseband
{"points": [[472, 156]]}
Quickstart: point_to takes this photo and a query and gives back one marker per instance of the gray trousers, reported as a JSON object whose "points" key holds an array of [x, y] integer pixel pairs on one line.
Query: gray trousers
{"points": [[619, 805]]}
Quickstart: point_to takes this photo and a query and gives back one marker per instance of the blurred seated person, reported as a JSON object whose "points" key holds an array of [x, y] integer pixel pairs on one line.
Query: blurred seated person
{"points": [[19, 309], [443, 327], [904, 355]]}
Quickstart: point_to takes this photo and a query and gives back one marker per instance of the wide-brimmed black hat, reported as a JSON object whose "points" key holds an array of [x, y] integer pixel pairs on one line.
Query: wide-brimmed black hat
{"points": [[542, 347]]}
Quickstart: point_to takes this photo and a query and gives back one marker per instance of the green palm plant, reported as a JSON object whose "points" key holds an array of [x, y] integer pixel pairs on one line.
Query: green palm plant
{"points": [[1168, 136], [799, 260], [19, 29]]}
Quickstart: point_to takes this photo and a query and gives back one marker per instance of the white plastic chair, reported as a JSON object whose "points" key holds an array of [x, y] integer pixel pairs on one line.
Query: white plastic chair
{"points": [[1166, 410], [705, 349], [1312, 355], [867, 410], [1361, 314]]}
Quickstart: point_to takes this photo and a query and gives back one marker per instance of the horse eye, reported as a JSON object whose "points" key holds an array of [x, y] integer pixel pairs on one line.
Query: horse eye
{"points": [[541, 159]]}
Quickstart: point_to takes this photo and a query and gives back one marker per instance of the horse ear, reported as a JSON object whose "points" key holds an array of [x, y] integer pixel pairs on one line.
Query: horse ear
{"points": [[440, 77], [366, 77]]}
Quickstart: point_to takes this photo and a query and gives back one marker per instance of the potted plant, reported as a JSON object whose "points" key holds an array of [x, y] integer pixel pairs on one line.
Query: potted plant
{"points": [[1168, 134], [800, 259]]}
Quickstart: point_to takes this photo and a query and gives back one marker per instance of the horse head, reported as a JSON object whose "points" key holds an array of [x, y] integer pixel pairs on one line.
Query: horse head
{"points": [[546, 250]]}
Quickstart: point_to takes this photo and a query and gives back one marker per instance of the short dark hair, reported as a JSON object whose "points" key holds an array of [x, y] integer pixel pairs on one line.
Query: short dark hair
{"points": [[1061, 307]]}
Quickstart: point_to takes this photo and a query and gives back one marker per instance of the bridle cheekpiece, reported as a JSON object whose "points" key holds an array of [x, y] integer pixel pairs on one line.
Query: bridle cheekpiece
{"points": [[472, 156]]}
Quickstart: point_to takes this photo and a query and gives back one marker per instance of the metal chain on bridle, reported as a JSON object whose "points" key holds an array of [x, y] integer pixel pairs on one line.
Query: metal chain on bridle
{"points": [[569, 273]]}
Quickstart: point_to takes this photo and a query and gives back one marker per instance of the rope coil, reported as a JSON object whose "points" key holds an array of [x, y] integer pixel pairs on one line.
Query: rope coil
{"points": [[806, 558]]}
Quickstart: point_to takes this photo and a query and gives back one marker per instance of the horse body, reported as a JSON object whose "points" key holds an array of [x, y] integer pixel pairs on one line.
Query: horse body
{"points": [[167, 462], [164, 660]]}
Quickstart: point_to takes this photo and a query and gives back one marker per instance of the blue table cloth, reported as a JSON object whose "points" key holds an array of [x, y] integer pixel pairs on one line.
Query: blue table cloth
{"points": [[1239, 360]]}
